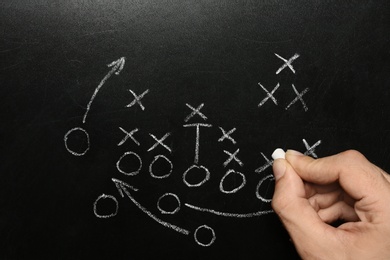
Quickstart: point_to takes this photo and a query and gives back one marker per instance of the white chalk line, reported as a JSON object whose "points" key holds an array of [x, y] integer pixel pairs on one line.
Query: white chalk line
{"points": [[287, 63], [169, 212], [128, 135], [160, 142], [197, 125], [206, 178], [154, 161], [231, 157], [269, 95], [299, 97], [195, 111], [213, 237], [66, 141], [129, 173], [117, 67], [227, 135], [104, 196], [222, 189], [271, 177], [227, 214], [137, 99], [147, 212], [119, 184], [265, 166], [310, 150]]}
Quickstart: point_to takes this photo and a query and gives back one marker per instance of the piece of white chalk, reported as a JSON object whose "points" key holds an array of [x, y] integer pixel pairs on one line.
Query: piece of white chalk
{"points": [[279, 154]]}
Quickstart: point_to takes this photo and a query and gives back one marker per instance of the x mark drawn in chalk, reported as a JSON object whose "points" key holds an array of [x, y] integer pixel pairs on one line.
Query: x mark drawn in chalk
{"points": [[310, 150], [227, 135], [265, 166], [137, 99], [128, 135], [299, 97], [231, 157], [195, 111], [269, 95], [160, 142], [287, 63]]}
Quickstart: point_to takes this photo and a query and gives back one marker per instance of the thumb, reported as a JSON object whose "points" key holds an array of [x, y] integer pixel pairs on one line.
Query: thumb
{"points": [[293, 208]]}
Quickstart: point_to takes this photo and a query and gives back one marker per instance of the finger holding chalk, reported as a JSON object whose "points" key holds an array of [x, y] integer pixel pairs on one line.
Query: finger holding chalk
{"points": [[278, 154]]}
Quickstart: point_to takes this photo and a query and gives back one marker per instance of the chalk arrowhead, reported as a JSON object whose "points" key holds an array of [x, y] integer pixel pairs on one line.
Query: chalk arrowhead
{"points": [[122, 187], [117, 65]]}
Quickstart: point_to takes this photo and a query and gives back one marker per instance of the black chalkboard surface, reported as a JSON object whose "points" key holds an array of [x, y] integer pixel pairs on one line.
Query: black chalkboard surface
{"points": [[144, 129]]}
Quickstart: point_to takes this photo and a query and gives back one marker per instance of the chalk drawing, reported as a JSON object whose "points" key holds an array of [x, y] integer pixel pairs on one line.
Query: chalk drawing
{"points": [[86, 139], [299, 97], [117, 67], [230, 215], [132, 158], [137, 99], [269, 95], [153, 162], [119, 183], [206, 178], [133, 172], [160, 142], [122, 189], [287, 63], [103, 197], [128, 135], [227, 135], [213, 237], [265, 166], [232, 156], [197, 125], [172, 211], [310, 150], [271, 177], [229, 172], [195, 111]]}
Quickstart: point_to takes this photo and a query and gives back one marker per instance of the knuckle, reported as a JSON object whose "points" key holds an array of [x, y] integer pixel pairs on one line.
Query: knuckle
{"points": [[352, 156]]}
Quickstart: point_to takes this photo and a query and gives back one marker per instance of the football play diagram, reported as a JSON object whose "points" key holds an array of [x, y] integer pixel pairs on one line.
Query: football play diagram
{"points": [[196, 121]]}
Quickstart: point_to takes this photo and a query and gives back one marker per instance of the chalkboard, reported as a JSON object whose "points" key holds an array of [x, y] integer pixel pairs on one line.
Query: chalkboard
{"points": [[144, 129]]}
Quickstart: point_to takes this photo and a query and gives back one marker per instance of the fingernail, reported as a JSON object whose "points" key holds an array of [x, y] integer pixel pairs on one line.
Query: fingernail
{"points": [[279, 167], [295, 153]]}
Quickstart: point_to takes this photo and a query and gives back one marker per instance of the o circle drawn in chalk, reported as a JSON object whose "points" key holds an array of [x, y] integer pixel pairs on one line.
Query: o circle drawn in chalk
{"points": [[151, 167], [206, 178], [270, 176], [221, 188], [129, 173], [168, 212], [66, 141], [104, 196], [207, 228]]}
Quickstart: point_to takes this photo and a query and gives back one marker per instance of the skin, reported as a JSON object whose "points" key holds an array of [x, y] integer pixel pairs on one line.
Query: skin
{"points": [[310, 194]]}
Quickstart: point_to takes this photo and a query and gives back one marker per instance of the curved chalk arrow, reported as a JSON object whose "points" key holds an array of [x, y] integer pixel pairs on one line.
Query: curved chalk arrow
{"points": [[117, 67], [232, 215], [122, 189]]}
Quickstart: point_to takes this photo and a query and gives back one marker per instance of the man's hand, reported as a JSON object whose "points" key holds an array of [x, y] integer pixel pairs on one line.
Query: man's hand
{"points": [[310, 194]]}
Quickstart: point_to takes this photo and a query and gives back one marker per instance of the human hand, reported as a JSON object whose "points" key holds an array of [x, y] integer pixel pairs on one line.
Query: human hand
{"points": [[310, 194]]}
